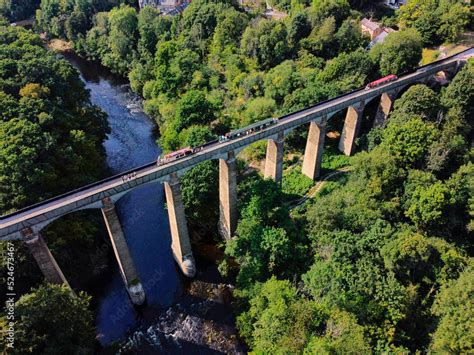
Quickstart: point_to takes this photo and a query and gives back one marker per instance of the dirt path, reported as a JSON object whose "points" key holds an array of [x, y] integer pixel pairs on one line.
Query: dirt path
{"points": [[317, 187], [59, 45]]}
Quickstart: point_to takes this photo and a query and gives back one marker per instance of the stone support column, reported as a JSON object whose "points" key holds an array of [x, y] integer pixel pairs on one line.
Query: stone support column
{"points": [[351, 129], [386, 103], [227, 196], [180, 243], [45, 260], [122, 253], [274, 159], [313, 153]]}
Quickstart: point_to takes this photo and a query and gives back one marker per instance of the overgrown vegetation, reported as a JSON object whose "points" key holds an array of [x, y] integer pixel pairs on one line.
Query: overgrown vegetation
{"points": [[376, 265], [51, 320], [50, 142], [390, 247], [16, 10]]}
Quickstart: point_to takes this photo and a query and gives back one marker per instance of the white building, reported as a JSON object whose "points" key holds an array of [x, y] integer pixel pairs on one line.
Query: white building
{"points": [[159, 4], [395, 4], [381, 37], [375, 31], [370, 28]]}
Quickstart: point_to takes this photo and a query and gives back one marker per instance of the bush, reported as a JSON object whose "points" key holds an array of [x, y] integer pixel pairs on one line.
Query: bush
{"points": [[295, 184], [256, 151], [333, 159]]}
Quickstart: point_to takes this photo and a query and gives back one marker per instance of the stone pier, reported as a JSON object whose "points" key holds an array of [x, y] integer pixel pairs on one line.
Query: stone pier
{"points": [[45, 260], [449, 74], [313, 153], [122, 253], [227, 196], [386, 103], [180, 243], [351, 129], [274, 159]]}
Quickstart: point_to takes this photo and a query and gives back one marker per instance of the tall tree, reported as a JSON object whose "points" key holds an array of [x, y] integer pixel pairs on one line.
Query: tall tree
{"points": [[265, 40], [122, 39], [453, 306], [399, 52]]}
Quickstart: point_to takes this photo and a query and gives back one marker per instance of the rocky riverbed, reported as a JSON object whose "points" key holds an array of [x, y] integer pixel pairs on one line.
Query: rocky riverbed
{"points": [[201, 323]]}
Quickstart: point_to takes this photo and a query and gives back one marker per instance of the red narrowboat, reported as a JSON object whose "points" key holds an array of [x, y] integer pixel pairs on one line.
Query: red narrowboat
{"points": [[384, 80], [179, 153]]}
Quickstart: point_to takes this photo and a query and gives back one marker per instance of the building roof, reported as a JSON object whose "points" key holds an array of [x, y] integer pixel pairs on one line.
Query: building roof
{"points": [[371, 25], [380, 38]]}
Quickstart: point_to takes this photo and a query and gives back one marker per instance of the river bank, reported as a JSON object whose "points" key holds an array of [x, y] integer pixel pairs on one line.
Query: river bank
{"points": [[191, 315], [201, 322]]}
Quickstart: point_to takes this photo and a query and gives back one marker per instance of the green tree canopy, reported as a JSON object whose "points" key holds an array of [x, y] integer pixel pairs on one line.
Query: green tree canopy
{"points": [[454, 20], [460, 93], [122, 39], [193, 108], [229, 30], [51, 320], [399, 52], [435, 20], [259, 109], [322, 9], [265, 40], [453, 307], [281, 81], [417, 100], [409, 141], [279, 320], [355, 65], [46, 105], [200, 196], [349, 36], [16, 10], [152, 28]]}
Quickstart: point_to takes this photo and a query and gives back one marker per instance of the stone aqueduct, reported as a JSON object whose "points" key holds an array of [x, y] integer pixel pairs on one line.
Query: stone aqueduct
{"points": [[27, 223]]}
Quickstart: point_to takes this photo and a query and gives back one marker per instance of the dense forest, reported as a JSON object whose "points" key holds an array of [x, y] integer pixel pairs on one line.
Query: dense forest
{"points": [[381, 259], [391, 266], [16, 10], [50, 142]]}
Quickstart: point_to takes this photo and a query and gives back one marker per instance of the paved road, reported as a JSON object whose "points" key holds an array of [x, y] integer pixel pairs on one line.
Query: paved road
{"points": [[39, 215]]}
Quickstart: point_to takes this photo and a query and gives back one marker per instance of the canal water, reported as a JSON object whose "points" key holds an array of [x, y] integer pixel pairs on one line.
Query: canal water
{"points": [[132, 143]]}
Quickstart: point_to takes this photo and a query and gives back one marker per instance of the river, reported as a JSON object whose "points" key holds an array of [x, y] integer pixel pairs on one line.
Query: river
{"points": [[180, 316], [144, 219]]}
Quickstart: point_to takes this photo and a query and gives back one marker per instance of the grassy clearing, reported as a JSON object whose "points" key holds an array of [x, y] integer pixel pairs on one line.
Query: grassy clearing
{"points": [[429, 56]]}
